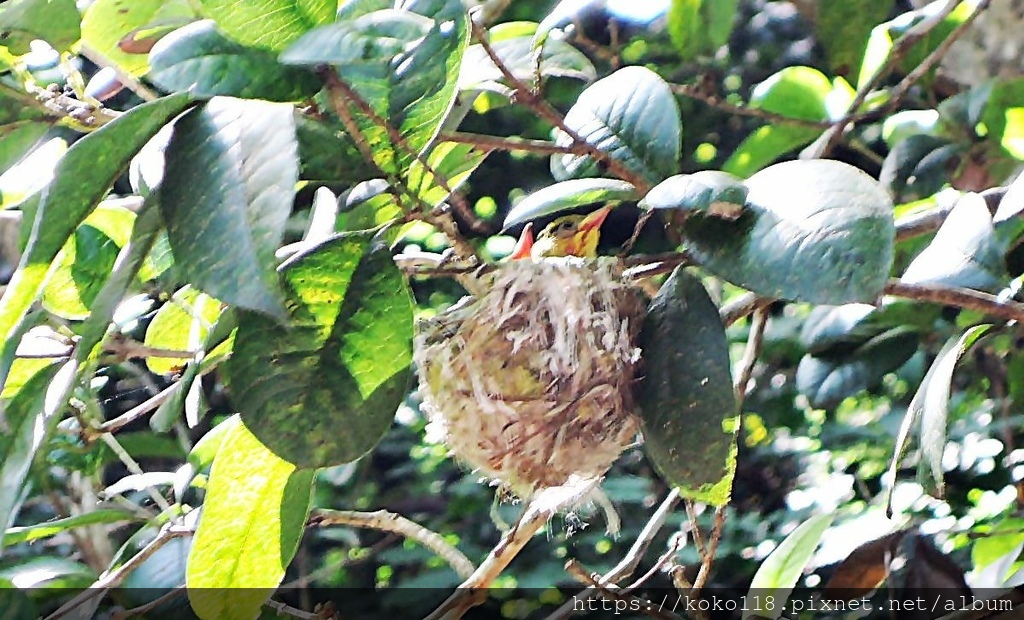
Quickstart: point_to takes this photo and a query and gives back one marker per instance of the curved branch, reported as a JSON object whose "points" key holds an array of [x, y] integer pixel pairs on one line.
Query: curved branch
{"points": [[384, 521]]}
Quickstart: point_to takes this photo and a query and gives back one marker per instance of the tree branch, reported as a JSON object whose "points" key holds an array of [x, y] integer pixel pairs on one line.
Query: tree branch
{"points": [[384, 521], [959, 297]]}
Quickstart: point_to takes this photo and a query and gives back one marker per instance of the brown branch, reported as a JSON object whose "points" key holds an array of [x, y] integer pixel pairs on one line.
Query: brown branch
{"points": [[547, 112], [136, 412], [718, 103], [741, 307], [959, 297], [930, 220], [384, 521], [457, 201], [498, 143]]}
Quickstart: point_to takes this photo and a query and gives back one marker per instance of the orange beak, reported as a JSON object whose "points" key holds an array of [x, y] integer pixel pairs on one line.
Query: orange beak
{"points": [[524, 245], [594, 220]]}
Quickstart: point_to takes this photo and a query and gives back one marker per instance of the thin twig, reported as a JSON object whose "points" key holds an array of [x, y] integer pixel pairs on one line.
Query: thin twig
{"points": [[499, 143], [136, 412], [698, 539], [150, 606], [751, 353], [709, 557], [385, 521], [741, 307], [288, 610], [547, 112], [828, 140], [718, 103], [113, 578], [457, 201], [631, 560], [959, 297]]}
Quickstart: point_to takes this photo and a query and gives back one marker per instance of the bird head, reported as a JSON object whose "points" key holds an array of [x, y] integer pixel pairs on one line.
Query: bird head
{"points": [[569, 235]]}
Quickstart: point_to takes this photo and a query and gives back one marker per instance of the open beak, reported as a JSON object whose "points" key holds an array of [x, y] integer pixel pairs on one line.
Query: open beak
{"points": [[594, 220], [524, 245]]}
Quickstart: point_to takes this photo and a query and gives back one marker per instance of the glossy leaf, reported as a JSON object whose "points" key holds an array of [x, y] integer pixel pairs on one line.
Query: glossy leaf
{"points": [[919, 166], [931, 402], [796, 92], [200, 58], [27, 428], [88, 258], [269, 24], [39, 531], [228, 576], [343, 359], [700, 27], [83, 177], [827, 379], [966, 252], [376, 37], [819, 231], [106, 22], [687, 404], [17, 138], [843, 328], [414, 90], [707, 191], [327, 153], [53, 21], [781, 570], [229, 183], [568, 195], [633, 116]]}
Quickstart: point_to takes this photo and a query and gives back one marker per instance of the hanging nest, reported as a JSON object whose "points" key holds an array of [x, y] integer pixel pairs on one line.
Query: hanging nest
{"points": [[532, 382]]}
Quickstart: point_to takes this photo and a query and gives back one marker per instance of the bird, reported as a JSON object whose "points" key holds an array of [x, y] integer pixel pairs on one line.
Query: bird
{"points": [[569, 235]]}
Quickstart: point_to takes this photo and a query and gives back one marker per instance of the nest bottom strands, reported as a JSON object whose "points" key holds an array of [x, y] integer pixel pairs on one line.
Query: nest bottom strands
{"points": [[532, 382]]}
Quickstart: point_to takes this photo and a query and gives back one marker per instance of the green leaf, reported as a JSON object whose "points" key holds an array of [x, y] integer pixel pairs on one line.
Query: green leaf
{"points": [[200, 58], [417, 90], [16, 603], [53, 21], [49, 573], [249, 530], [687, 404], [568, 195], [818, 230], [700, 27], [707, 191], [376, 37], [906, 123], [919, 166], [18, 138], [107, 22], [966, 252], [27, 429], [931, 402], [87, 260], [781, 570], [182, 324], [82, 178], [796, 92], [842, 328], [999, 113], [39, 531], [327, 153], [843, 29], [269, 24], [826, 379], [557, 59], [344, 359], [766, 145], [633, 116], [231, 169]]}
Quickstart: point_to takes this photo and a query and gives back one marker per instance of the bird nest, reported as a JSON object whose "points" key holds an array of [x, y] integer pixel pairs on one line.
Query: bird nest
{"points": [[532, 382]]}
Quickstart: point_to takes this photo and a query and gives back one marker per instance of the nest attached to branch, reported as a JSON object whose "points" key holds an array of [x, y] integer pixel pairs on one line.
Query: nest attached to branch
{"points": [[533, 381]]}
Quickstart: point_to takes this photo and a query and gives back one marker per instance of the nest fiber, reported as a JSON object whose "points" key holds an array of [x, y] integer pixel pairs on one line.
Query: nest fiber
{"points": [[532, 382]]}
